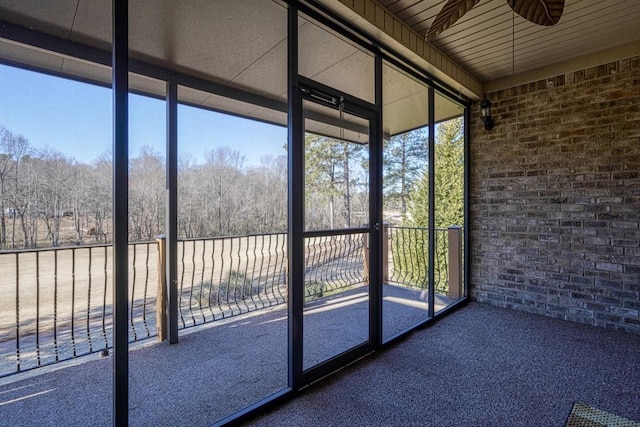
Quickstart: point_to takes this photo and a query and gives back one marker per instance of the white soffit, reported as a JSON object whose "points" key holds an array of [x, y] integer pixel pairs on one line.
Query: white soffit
{"points": [[240, 43]]}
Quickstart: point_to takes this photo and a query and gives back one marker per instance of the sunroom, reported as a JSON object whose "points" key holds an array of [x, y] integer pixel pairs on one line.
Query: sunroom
{"points": [[208, 206]]}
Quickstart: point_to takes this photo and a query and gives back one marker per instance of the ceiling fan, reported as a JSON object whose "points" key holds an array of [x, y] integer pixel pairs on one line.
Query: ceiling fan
{"points": [[541, 12]]}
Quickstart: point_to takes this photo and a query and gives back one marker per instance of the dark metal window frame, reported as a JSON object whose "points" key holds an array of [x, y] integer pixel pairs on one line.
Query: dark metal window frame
{"points": [[120, 84], [306, 89], [122, 66]]}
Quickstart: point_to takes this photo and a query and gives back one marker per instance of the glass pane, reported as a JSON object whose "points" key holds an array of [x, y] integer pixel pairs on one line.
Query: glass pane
{"points": [[405, 202], [232, 211], [336, 169], [336, 313], [449, 201], [55, 249], [334, 61]]}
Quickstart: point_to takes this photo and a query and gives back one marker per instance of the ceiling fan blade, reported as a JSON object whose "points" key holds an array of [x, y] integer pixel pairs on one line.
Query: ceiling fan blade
{"points": [[450, 13], [541, 12]]}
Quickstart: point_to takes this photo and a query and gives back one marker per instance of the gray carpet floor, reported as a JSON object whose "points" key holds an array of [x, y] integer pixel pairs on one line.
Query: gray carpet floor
{"points": [[480, 366], [215, 370]]}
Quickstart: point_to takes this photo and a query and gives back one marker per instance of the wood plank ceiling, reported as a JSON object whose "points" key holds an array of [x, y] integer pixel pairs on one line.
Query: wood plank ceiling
{"points": [[492, 42]]}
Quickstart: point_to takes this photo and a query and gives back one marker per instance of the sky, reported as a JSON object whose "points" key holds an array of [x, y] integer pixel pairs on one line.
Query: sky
{"points": [[75, 119]]}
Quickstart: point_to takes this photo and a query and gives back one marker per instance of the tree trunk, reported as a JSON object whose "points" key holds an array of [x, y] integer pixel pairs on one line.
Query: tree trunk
{"points": [[347, 189], [331, 214], [3, 242]]}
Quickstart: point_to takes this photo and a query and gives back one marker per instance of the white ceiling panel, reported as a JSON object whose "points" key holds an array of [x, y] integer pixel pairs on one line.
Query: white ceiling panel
{"points": [[50, 17], [271, 116], [331, 60], [268, 74], [221, 39], [241, 43], [92, 23], [405, 102], [353, 74], [192, 96]]}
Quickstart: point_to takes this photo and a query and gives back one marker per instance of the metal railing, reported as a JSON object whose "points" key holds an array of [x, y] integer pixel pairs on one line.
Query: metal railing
{"points": [[56, 304], [225, 276], [334, 263], [409, 254]]}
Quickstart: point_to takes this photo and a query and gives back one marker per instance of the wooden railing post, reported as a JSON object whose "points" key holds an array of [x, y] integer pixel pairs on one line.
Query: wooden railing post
{"points": [[161, 295], [365, 257], [455, 262]]}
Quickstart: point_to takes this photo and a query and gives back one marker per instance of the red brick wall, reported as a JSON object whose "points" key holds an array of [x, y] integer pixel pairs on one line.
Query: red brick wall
{"points": [[555, 198]]}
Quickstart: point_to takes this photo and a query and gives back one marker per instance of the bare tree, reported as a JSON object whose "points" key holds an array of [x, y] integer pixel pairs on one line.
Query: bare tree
{"points": [[146, 194], [80, 191], [223, 169], [267, 186], [12, 148], [54, 198], [54, 191], [189, 198], [23, 201], [99, 202]]}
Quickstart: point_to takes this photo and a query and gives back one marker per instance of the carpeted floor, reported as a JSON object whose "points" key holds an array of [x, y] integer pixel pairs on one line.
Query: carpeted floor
{"points": [[480, 366], [214, 371]]}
